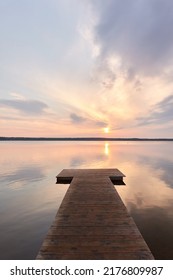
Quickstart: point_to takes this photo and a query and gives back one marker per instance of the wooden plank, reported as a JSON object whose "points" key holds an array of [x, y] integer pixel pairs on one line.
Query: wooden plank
{"points": [[92, 221]]}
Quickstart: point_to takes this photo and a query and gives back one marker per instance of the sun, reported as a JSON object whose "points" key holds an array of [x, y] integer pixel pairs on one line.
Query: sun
{"points": [[106, 129]]}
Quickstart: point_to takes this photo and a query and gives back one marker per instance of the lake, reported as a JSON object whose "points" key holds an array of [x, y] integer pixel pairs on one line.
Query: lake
{"points": [[29, 197]]}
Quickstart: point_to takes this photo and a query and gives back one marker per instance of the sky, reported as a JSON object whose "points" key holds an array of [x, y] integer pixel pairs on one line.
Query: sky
{"points": [[90, 68]]}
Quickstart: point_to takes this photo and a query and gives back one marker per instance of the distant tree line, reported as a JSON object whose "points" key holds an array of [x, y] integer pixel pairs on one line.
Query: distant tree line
{"points": [[2, 138]]}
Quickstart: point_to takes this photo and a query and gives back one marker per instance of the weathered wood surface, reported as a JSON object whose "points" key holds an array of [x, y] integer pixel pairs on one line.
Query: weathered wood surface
{"points": [[92, 221]]}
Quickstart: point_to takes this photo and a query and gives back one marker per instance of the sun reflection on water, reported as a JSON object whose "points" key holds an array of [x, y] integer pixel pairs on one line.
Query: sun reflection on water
{"points": [[106, 149]]}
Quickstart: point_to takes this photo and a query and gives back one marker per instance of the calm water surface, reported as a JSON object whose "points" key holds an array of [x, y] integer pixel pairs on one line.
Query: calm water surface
{"points": [[29, 197]]}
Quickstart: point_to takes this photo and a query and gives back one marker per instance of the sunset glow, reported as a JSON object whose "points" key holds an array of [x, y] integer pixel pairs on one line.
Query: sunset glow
{"points": [[106, 129], [71, 72]]}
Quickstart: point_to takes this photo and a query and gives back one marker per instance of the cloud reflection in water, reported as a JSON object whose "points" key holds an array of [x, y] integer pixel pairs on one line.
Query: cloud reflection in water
{"points": [[148, 193]]}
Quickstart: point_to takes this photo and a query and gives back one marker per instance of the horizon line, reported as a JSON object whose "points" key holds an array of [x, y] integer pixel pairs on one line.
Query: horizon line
{"points": [[31, 138]]}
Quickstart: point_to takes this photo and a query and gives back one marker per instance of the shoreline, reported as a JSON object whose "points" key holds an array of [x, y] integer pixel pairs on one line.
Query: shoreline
{"points": [[81, 139]]}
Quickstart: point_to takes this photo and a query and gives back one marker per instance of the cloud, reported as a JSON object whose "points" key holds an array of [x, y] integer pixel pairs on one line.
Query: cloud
{"points": [[28, 107], [77, 119], [161, 113], [139, 32], [100, 124]]}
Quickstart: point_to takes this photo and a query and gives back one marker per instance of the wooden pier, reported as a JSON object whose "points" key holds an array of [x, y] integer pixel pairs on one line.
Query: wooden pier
{"points": [[92, 222]]}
